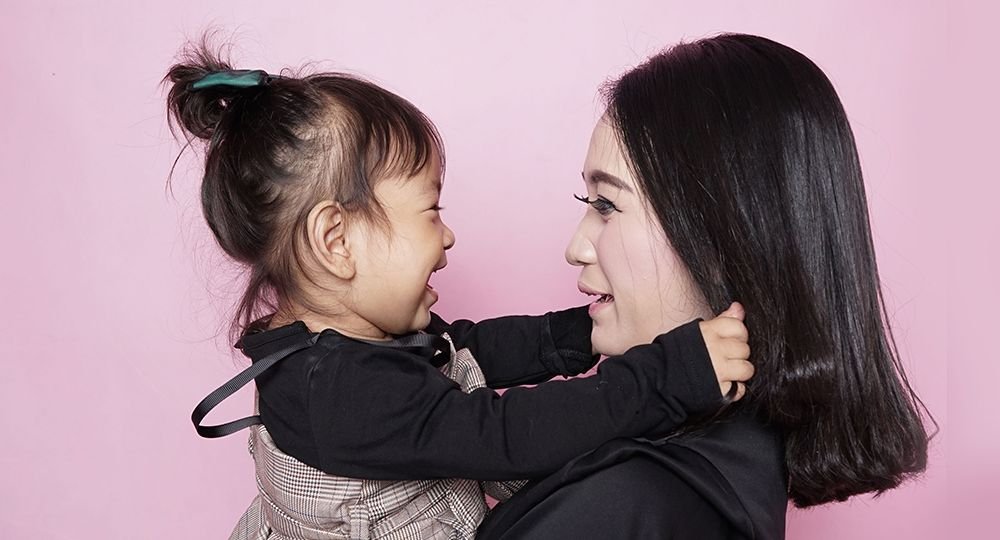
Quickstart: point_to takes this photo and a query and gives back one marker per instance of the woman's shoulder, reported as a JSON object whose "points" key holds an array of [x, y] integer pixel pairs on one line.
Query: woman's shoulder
{"points": [[750, 456], [738, 434]]}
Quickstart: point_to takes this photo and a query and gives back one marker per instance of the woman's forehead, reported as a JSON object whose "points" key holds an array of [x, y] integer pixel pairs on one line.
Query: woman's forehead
{"points": [[605, 162]]}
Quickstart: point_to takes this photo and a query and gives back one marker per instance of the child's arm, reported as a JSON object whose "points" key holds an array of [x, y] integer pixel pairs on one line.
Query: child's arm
{"points": [[386, 414], [525, 349]]}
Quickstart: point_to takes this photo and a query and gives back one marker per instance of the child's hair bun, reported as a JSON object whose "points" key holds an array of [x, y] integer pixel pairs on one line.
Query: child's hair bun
{"points": [[199, 111]]}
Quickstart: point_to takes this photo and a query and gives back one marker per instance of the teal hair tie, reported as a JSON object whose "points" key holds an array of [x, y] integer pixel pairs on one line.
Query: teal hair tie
{"points": [[239, 78]]}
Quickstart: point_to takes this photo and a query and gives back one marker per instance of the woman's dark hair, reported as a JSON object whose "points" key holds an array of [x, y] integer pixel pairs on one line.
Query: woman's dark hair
{"points": [[744, 152], [275, 149]]}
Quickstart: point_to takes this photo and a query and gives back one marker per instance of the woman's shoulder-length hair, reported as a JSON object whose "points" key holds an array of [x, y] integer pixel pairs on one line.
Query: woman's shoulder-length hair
{"points": [[744, 152]]}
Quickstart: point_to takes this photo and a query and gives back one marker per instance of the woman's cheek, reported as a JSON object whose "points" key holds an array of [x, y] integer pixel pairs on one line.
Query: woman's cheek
{"points": [[627, 325]]}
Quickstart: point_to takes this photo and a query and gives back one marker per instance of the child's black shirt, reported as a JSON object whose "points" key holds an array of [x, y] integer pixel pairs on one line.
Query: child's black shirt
{"points": [[351, 408]]}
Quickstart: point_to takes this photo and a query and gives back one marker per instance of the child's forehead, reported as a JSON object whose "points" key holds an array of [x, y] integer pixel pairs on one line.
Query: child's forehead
{"points": [[427, 182], [431, 177]]}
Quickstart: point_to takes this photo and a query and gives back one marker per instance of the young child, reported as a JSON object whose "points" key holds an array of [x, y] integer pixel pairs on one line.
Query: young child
{"points": [[377, 418]]}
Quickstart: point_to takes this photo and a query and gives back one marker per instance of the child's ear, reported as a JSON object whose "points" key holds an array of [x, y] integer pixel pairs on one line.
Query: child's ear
{"points": [[328, 239]]}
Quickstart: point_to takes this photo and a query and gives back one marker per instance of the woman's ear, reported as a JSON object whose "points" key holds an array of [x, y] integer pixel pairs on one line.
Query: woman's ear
{"points": [[328, 240]]}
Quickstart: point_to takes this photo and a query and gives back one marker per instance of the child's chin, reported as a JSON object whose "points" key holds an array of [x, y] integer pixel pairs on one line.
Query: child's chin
{"points": [[422, 320]]}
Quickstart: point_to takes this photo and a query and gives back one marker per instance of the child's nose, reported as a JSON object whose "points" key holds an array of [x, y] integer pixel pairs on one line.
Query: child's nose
{"points": [[449, 237]]}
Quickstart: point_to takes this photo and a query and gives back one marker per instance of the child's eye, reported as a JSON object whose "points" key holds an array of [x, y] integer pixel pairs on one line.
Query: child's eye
{"points": [[603, 206]]}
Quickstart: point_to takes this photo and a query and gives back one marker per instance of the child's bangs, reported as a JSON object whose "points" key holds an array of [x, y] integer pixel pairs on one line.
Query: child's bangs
{"points": [[373, 135], [404, 143]]}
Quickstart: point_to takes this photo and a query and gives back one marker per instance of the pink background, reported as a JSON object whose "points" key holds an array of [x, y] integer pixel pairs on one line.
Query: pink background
{"points": [[114, 297]]}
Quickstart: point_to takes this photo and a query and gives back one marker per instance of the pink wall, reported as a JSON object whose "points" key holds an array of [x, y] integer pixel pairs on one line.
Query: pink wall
{"points": [[113, 296]]}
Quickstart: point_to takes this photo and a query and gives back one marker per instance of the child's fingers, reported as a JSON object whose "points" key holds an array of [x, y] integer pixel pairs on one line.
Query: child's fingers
{"points": [[728, 387], [738, 370], [741, 390], [737, 349], [728, 327], [734, 311], [734, 372]]}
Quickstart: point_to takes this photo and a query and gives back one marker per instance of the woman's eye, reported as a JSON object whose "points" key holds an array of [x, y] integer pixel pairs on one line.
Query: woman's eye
{"points": [[603, 206]]}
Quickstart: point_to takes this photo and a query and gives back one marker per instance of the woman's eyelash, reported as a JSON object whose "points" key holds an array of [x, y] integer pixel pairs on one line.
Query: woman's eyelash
{"points": [[603, 206]]}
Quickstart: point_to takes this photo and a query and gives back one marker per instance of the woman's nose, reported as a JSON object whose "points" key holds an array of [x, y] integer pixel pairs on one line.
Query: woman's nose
{"points": [[580, 250]]}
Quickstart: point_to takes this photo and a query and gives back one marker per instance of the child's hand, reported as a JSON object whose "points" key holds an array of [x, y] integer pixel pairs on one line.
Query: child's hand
{"points": [[726, 339]]}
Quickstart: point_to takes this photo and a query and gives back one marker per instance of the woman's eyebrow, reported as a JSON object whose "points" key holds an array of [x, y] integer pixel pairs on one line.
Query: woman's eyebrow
{"points": [[598, 176]]}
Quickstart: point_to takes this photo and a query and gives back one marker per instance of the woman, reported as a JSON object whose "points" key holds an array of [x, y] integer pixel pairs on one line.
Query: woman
{"points": [[726, 169]]}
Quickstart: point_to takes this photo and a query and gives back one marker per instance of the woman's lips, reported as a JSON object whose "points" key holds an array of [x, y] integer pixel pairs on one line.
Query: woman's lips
{"points": [[603, 299], [602, 302]]}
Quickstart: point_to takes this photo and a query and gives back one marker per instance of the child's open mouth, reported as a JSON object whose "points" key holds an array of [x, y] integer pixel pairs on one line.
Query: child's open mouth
{"points": [[436, 270], [433, 294]]}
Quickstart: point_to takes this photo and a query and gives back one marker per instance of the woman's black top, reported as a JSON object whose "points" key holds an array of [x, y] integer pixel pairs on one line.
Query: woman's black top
{"points": [[724, 482]]}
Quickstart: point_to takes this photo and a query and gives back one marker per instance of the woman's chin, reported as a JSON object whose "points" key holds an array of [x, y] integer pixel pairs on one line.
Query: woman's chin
{"points": [[607, 343]]}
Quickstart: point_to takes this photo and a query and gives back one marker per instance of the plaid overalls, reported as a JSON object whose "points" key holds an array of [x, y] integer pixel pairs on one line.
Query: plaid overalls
{"points": [[296, 501]]}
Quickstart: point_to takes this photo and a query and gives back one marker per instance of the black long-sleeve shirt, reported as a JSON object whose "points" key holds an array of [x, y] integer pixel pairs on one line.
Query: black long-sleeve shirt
{"points": [[355, 409]]}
